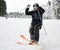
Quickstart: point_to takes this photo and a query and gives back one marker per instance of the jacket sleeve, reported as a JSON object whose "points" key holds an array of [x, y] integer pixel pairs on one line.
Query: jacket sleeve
{"points": [[41, 10], [27, 12]]}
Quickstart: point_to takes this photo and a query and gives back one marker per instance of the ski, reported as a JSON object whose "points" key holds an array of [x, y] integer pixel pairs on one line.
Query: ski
{"points": [[20, 43], [23, 37]]}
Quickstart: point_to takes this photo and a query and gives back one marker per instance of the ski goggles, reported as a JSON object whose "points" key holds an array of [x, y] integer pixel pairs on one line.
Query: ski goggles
{"points": [[35, 5]]}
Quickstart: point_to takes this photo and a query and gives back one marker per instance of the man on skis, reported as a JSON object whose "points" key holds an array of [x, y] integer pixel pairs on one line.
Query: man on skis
{"points": [[36, 23]]}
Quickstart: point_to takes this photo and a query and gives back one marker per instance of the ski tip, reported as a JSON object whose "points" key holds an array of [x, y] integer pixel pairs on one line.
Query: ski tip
{"points": [[18, 42], [22, 36]]}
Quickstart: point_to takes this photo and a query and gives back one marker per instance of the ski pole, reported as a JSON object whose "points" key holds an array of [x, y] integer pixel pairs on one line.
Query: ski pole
{"points": [[43, 25], [44, 30]]}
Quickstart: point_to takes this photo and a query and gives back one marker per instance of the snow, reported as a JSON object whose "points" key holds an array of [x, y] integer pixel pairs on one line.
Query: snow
{"points": [[12, 28]]}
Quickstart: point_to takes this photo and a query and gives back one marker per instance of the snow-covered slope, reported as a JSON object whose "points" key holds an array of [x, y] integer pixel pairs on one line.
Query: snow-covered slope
{"points": [[11, 28]]}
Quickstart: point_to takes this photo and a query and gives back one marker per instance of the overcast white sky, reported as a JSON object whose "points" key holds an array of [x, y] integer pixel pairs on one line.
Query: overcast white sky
{"points": [[17, 5]]}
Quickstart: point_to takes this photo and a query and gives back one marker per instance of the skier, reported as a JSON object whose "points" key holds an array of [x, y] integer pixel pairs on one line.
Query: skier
{"points": [[36, 24]]}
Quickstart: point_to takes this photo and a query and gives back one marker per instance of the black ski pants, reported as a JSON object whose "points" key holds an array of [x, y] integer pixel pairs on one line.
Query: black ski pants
{"points": [[34, 31]]}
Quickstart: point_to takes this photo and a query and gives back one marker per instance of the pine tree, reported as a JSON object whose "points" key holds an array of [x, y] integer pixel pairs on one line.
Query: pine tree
{"points": [[49, 3], [2, 8]]}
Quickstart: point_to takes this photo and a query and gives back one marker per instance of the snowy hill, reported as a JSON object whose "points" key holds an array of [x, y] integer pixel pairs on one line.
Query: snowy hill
{"points": [[11, 29]]}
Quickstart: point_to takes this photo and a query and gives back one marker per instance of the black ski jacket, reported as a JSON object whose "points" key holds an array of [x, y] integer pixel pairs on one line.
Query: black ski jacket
{"points": [[35, 15]]}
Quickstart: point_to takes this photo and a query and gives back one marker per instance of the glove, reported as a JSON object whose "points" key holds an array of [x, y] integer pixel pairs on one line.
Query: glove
{"points": [[28, 6]]}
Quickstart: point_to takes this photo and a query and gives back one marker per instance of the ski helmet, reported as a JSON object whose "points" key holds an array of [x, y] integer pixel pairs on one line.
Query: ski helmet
{"points": [[36, 5]]}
